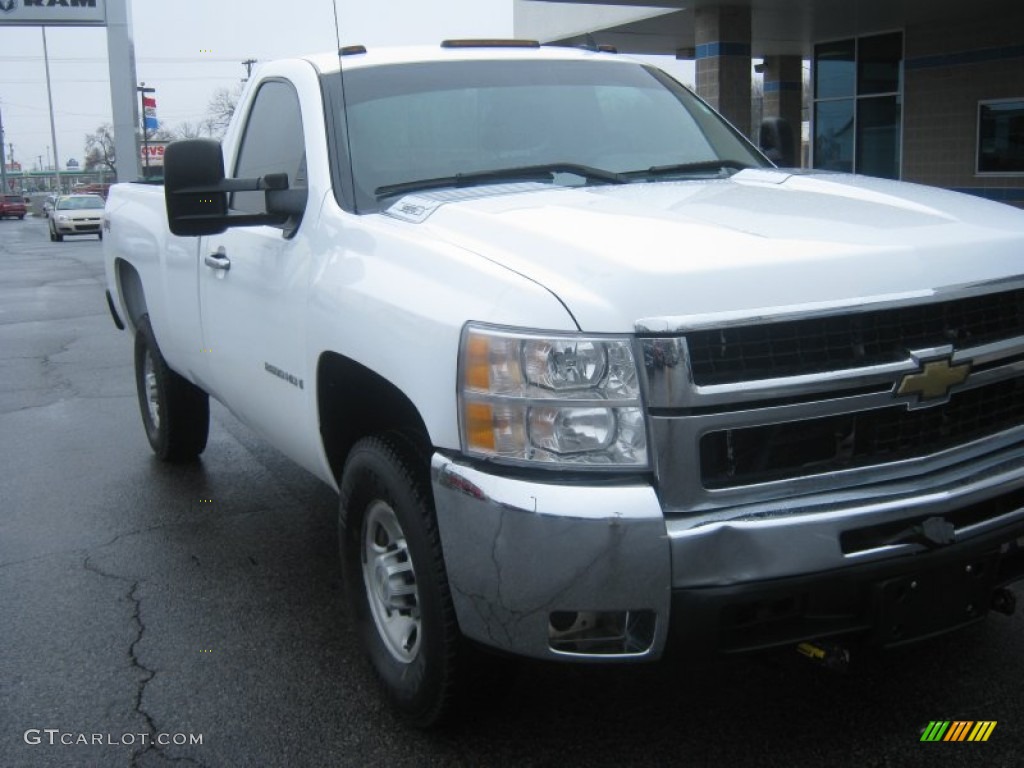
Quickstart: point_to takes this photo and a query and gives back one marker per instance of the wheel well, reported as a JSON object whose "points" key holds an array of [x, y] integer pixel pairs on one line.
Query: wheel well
{"points": [[131, 292], [355, 402]]}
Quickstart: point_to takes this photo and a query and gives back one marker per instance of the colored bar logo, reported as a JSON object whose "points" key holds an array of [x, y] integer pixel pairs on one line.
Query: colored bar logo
{"points": [[959, 730]]}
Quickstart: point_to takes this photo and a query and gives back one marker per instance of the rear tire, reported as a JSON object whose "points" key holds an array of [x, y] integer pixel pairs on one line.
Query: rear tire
{"points": [[175, 412]]}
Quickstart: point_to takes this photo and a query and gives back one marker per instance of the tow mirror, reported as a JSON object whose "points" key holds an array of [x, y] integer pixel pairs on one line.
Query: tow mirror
{"points": [[193, 170], [196, 193]]}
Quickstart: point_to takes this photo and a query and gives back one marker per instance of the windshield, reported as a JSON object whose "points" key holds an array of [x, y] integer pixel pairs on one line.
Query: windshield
{"points": [[77, 203], [438, 120]]}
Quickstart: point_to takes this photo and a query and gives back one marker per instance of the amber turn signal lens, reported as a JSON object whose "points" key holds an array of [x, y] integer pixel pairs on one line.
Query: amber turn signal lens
{"points": [[480, 426], [478, 363]]}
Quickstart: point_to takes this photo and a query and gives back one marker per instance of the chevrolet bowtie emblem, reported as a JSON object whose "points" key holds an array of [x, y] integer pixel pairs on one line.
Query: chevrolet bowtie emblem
{"points": [[934, 381]]}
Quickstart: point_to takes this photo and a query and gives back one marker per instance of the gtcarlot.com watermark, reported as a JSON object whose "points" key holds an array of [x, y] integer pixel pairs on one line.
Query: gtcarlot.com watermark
{"points": [[56, 737]]}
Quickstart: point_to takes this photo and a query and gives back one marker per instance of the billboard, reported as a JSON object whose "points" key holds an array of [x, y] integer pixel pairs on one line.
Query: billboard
{"points": [[54, 13]]}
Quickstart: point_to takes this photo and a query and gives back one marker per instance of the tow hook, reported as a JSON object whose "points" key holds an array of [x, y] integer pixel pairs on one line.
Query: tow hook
{"points": [[1004, 601], [828, 655]]}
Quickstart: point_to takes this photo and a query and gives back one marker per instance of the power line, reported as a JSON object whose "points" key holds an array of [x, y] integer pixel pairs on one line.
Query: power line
{"points": [[58, 111], [102, 59], [104, 80]]}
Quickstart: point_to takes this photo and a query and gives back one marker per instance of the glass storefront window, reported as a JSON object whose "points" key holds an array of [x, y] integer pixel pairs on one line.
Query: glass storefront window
{"points": [[858, 86], [1001, 136], [878, 137], [834, 69], [833, 135], [878, 64]]}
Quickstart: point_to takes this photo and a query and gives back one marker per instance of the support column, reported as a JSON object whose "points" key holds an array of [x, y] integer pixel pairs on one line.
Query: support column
{"points": [[121, 55], [722, 38], [783, 94]]}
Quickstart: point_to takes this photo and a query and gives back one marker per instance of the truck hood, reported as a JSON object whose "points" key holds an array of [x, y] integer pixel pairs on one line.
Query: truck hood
{"points": [[670, 255]]}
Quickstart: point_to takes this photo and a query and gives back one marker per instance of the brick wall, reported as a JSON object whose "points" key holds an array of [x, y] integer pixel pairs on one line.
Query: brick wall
{"points": [[948, 69]]}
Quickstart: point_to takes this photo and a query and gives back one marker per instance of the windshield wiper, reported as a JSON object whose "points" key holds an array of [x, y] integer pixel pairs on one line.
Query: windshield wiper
{"points": [[680, 169], [544, 173]]}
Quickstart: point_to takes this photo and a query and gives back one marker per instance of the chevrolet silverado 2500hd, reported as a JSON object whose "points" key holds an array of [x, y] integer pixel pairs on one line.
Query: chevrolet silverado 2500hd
{"points": [[593, 378]]}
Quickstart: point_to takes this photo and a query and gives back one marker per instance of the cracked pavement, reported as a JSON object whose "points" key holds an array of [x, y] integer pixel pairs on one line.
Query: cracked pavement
{"points": [[138, 598]]}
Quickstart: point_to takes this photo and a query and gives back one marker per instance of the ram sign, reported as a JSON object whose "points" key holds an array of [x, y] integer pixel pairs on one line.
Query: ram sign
{"points": [[54, 13]]}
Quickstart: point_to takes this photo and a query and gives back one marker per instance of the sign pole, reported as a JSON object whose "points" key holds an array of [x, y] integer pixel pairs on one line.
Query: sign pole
{"points": [[143, 90], [121, 60], [3, 160]]}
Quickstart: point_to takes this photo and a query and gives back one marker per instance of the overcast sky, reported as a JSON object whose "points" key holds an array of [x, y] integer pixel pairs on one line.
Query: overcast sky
{"points": [[187, 49]]}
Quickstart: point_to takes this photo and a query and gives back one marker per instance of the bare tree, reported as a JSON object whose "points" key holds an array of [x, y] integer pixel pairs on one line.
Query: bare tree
{"points": [[220, 109], [161, 134], [197, 129], [99, 146], [99, 149], [190, 130]]}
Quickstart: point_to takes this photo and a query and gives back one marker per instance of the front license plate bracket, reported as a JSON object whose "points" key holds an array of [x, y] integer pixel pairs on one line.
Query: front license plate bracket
{"points": [[933, 601]]}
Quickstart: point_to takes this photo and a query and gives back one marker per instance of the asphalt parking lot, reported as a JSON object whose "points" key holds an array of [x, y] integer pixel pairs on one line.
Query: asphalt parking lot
{"points": [[139, 600]]}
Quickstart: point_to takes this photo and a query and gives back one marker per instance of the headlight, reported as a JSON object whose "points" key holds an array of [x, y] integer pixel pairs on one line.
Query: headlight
{"points": [[550, 399], [62, 217]]}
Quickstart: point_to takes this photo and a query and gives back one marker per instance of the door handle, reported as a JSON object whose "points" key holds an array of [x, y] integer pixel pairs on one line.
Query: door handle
{"points": [[218, 260]]}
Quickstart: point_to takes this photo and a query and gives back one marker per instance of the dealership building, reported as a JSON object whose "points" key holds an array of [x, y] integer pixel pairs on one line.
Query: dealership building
{"points": [[929, 91]]}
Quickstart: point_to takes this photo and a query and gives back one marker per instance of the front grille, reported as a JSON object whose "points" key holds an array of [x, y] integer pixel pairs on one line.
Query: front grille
{"points": [[748, 353], [780, 451]]}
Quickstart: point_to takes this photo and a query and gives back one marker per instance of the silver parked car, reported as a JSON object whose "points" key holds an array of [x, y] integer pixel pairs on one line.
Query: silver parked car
{"points": [[76, 215]]}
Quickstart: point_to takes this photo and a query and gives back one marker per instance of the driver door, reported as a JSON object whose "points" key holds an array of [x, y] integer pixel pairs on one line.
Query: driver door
{"points": [[253, 281]]}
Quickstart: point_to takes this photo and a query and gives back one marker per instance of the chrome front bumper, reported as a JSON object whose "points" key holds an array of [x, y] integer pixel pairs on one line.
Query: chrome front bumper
{"points": [[518, 552]]}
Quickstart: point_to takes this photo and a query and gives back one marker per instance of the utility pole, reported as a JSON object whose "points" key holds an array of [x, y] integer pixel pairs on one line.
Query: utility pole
{"points": [[3, 161], [248, 64], [53, 126], [143, 90]]}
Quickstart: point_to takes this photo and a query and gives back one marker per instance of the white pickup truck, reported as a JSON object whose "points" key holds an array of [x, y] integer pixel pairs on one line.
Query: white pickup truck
{"points": [[594, 380]]}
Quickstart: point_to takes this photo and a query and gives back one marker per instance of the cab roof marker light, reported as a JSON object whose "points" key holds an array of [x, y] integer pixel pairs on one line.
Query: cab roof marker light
{"points": [[495, 43]]}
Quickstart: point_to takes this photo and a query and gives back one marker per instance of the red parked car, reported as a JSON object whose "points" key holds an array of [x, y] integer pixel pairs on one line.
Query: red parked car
{"points": [[12, 206]]}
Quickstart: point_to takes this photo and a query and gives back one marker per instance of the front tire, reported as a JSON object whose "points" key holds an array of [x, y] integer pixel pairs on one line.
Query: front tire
{"points": [[395, 575], [175, 412]]}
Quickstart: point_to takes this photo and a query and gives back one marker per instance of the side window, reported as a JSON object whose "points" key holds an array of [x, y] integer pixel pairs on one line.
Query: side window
{"points": [[272, 143]]}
